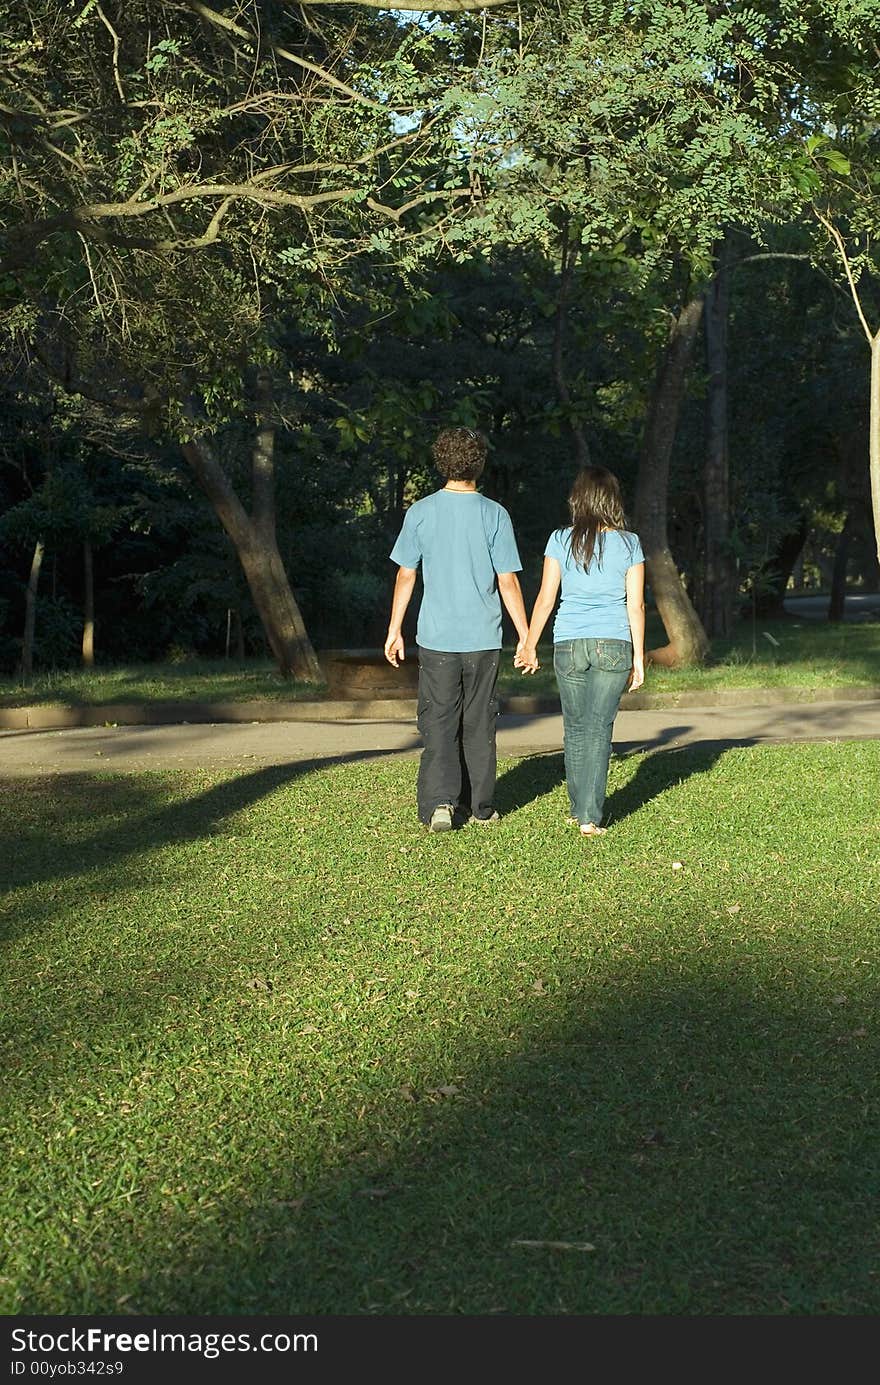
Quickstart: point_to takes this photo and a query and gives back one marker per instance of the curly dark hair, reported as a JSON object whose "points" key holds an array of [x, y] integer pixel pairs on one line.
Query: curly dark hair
{"points": [[460, 453]]}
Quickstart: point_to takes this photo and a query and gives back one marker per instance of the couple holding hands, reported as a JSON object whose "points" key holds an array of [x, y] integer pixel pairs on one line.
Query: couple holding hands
{"points": [[469, 561]]}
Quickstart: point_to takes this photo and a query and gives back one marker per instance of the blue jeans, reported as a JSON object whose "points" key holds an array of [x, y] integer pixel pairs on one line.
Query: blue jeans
{"points": [[592, 675]]}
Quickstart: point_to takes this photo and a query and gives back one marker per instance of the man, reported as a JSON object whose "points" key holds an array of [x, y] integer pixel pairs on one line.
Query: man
{"points": [[466, 546]]}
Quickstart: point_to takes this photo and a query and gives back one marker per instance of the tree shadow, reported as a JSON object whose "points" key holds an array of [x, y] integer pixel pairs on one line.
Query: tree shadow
{"points": [[642, 1134], [648, 1146], [97, 822]]}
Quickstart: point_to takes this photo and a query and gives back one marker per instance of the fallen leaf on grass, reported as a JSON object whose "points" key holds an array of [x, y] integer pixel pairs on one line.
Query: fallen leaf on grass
{"points": [[538, 987], [555, 1245], [676, 865], [446, 1090]]}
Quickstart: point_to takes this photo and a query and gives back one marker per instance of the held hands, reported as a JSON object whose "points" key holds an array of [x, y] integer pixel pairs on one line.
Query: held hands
{"points": [[394, 650], [526, 658]]}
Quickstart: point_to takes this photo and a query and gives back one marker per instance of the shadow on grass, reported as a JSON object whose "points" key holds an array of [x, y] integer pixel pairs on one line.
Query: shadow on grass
{"points": [[531, 778], [102, 820], [537, 775], [657, 773], [645, 1146], [673, 1125]]}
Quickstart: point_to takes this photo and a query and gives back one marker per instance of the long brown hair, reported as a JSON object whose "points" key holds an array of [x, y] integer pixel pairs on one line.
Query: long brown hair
{"points": [[595, 503]]}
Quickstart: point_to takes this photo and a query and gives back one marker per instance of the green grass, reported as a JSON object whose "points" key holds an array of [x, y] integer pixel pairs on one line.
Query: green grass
{"points": [[807, 654], [270, 1048], [203, 680]]}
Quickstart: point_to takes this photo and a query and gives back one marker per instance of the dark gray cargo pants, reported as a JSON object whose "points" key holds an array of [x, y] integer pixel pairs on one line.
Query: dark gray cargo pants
{"points": [[456, 717]]}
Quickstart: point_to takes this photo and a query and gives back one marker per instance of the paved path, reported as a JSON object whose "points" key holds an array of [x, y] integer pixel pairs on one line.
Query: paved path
{"points": [[856, 606], [213, 745]]}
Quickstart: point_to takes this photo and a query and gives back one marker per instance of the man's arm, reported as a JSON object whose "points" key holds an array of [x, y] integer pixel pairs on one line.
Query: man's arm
{"points": [[511, 594], [404, 586]]}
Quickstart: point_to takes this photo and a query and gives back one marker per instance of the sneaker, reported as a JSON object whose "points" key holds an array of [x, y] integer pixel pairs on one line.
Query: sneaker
{"points": [[493, 817], [441, 818]]}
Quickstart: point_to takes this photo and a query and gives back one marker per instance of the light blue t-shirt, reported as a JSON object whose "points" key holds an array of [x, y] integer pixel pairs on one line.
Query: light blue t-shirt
{"points": [[462, 540], [593, 604]]}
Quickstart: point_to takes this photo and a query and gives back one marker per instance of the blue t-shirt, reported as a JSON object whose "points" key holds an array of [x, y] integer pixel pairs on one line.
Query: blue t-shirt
{"points": [[593, 604], [462, 539]]}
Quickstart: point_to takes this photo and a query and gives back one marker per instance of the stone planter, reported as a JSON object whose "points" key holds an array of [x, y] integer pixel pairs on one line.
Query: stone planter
{"points": [[366, 673]]}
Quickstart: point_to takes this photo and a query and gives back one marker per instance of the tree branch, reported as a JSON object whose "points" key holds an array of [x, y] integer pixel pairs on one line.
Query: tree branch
{"points": [[436, 6], [835, 235], [113, 34], [222, 22]]}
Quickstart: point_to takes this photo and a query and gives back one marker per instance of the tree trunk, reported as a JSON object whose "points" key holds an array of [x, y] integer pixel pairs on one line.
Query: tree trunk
{"points": [[566, 276], [837, 601], [719, 579], [88, 637], [30, 612], [255, 543], [688, 643], [874, 443], [771, 579]]}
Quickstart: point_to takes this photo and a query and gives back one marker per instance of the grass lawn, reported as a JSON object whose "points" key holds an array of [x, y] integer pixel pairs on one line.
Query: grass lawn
{"points": [[202, 680], [270, 1048], [800, 654]]}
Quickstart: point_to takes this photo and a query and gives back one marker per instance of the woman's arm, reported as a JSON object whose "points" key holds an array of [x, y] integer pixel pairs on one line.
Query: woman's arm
{"points": [[527, 657], [635, 613]]}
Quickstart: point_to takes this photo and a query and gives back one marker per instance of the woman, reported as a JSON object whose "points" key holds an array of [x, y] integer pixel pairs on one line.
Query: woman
{"points": [[598, 634]]}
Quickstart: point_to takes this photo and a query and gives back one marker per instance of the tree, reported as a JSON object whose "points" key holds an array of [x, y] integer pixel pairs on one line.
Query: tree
{"points": [[652, 127], [855, 265], [178, 181]]}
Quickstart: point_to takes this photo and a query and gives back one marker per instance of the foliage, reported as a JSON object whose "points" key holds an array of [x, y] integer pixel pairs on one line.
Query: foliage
{"points": [[373, 203], [177, 188]]}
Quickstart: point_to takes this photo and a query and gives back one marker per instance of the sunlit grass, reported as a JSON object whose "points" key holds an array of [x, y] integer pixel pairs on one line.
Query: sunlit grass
{"points": [[800, 654], [268, 1047], [203, 680]]}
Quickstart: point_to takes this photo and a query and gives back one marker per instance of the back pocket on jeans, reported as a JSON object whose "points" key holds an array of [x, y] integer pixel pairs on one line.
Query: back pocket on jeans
{"points": [[563, 658], [613, 656]]}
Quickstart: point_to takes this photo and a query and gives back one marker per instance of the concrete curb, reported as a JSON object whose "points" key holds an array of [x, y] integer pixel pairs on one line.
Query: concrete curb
{"points": [[61, 716]]}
